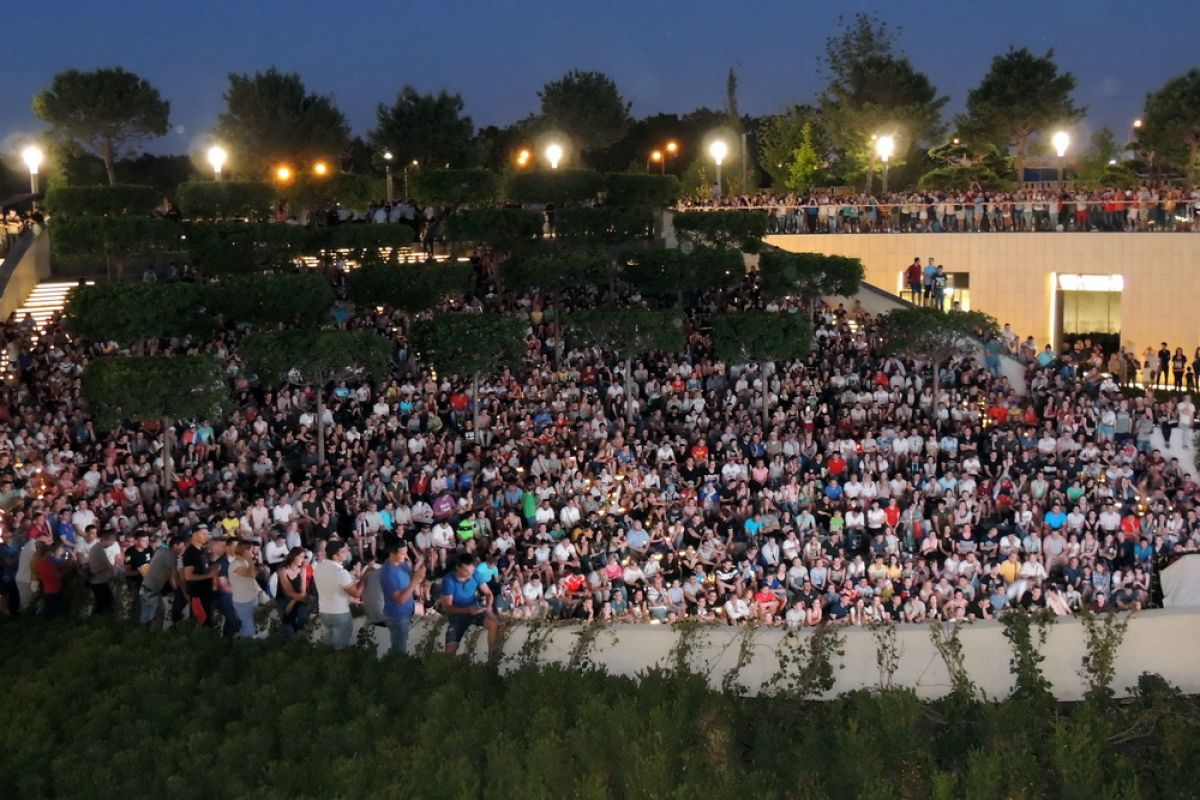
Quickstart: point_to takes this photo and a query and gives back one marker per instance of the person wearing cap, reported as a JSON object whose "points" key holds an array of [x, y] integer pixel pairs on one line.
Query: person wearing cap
{"points": [[159, 579], [399, 581], [198, 575]]}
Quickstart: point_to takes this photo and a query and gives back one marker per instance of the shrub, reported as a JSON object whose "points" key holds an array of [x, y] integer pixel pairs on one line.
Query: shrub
{"points": [[495, 227], [454, 187], [741, 229], [230, 247], [102, 201], [667, 272], [558, 186], [220, 199], [411, 287], [634, 189], [604, 224]]}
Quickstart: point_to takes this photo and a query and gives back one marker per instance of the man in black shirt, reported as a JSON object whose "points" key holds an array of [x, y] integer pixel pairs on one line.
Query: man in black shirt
{"points": [[137, 561], [198, 575]]}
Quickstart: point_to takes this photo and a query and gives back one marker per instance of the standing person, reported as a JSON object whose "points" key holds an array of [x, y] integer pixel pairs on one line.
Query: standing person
{"points": [[1178, 365], [336, 590], [399, 580], [222, 591], [25, 576], [460, 599], [159, 579], [913, 277], [291, 592], [198, 575], [101, 572], [243, 587], [137, 561], [1164, 364], [927, 277], [1187, 417], [50, 573]]}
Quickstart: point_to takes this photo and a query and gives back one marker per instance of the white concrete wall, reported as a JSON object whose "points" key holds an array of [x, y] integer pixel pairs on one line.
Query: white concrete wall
{"points": [[1162, 641], [1010, 273]]}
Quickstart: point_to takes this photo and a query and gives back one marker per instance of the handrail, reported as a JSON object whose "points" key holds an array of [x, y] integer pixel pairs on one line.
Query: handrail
{"points": [[14, 255]]}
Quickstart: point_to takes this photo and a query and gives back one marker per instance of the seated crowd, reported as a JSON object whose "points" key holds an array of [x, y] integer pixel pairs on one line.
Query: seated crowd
{"points": [[859, 494]]}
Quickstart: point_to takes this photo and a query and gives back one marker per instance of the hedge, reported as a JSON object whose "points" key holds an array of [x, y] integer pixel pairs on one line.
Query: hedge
{"points": [[668, 272], [114, 237], [636, 189], [221, 199], [810, 275], [557, 186], [453, 187], [107, 711], [411, 287], [232, 247], [497, 227], [604, 224], [743, 229], [347, 189], [102, 201], [281, 299]]}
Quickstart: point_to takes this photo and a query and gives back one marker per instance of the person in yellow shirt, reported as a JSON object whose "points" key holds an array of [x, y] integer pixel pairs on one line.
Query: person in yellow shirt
{"points": [[1010, 570]]}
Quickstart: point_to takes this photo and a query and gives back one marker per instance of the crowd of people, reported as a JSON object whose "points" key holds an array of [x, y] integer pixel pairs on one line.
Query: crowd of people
{"points": [[859, 494], [1072, 209]]}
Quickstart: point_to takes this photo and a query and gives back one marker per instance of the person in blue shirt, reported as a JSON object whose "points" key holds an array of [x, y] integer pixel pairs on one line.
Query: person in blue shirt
{"points": [[399, 580], [460, 600]]}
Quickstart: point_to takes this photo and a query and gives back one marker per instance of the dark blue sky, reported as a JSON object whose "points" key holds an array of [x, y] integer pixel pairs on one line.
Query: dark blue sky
{"points": [[664, 56]]}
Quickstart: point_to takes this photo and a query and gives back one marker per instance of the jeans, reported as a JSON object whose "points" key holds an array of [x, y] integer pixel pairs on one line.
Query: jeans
{"points": [[340, 629], [151, 605], [223, 605], [245, 615], [291, 622], [398, 628]]}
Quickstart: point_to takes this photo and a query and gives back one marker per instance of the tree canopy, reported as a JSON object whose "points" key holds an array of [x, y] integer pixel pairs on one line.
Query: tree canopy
{"points": [[740, 336], [154, 388], [791, 146], [315, 356], [669, 272], [628, 332], [409, 287], [809, 275], [105, 111], [1171, 123], [874, 90], [1022, 95], [587, 108], [470, 344], [555, 271], [271, 118], [935, 335], [429, 129]]}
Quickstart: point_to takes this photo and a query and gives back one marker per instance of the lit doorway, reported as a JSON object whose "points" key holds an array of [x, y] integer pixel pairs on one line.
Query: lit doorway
{"points": [[1089, 308]]}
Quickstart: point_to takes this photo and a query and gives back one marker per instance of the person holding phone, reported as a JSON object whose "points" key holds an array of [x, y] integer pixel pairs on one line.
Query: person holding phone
{"points": [[399, 580], [461, 590]]}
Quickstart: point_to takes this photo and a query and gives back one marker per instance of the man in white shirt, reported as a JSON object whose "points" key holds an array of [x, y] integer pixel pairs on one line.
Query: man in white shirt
{"points": [[1187, 416], [336, 590], [25, 576]]}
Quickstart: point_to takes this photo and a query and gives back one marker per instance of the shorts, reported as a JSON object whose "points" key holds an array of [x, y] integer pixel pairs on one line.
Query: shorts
{"points": [[459, 623]]}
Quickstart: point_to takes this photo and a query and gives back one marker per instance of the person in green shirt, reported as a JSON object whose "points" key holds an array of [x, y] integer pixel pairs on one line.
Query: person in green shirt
{"points": [[529, 507]]}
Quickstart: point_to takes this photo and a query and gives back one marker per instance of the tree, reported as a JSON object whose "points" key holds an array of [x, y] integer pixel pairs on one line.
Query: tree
{"points": [[159, 388], [1170, 127], [785, 140], [412, 288], [672, 272], [316, 358], [586, 108], [1022, 95], [555, 272], [429, 129], [809, 275], [271, 118], [105, 111], [963, 163], [129, 312], [936, 336], [628, 332], [763, 336], [1100, 165], [874, 90], [116, 239], [207, 199], [470, 345]]}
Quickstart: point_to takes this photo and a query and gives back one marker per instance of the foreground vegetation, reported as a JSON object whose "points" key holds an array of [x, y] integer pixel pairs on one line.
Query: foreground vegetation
{"points": [[98, 709]]}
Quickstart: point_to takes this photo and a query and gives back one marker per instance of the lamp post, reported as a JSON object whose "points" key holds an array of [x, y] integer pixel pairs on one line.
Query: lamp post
{"points": [[320, 169], [32, 156], [1061, 141], [884, 147], [216, 159], [656, 156], [718, 150], [387, 173], [413, 164], [283, 173], [554, 154], [671, 149]]}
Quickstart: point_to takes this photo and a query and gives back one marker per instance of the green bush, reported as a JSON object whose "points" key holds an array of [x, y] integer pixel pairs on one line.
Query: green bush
{"points": [[809, 275], [668, 272], [496, 227], [112, 712], [269, 300], [113, 237], [454, 187], [604, 224], [558, 186], [102, 201], [742, 229], [352, 191], [636, 189], [126, 312], [232, 247], [411, 287], [221, 199]]}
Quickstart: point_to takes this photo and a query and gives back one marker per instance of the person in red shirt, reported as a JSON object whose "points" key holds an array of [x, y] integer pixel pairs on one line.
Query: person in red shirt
{"points": [[49, 573], [700, 451], [836, 465]]}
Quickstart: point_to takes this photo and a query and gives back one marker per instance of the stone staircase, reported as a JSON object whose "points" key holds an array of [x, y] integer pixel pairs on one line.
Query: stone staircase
{"points": [[44, 303]]}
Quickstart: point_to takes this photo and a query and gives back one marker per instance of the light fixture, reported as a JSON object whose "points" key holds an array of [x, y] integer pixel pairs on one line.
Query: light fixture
{"points": [[216, 159], [387, 155], [320, 168], [523, 158], [283, 173], [672, 147], [1061, 141], [554, 154], [33, 156], [885, 146], [718, 150]]}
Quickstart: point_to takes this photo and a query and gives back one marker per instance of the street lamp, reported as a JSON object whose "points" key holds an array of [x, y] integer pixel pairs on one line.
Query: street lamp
{"points": [[216, 159], [523, 158], [1061, 141], [320, 169], [718, 150], [554, 154], [656, 156], [671, 149], [1137, 123], [32, 156], [414, 164], [283, 173], [884, 147], [387, 173]]}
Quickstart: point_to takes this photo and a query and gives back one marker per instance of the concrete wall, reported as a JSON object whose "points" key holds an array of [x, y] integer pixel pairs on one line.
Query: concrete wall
{"points": [[1011, 273], [30, 264], [1162, 641]]}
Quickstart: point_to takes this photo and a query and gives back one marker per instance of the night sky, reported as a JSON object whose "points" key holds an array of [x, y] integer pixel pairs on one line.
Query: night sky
{"points": [[664, 56]]}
